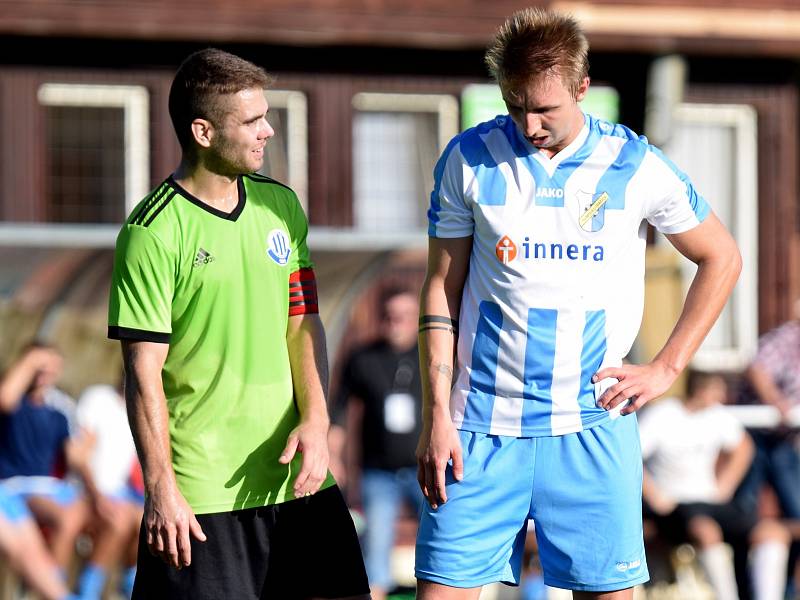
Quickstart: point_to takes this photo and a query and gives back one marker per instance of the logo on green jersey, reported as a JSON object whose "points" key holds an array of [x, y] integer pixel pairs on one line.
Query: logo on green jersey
{"points": [[278, 246], [203, 258]]}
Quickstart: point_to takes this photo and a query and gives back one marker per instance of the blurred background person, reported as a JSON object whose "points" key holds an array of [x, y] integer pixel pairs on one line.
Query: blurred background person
{"points": [[695, 456], [112, 463], [36, 446], [23, 550], [376, 428], [773, 379]]}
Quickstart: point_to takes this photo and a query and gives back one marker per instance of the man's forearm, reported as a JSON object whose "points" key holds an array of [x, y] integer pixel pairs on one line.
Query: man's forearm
{"points": [[765, 387], [437, 342], [147, 416], [733, 467], [305, 338]]}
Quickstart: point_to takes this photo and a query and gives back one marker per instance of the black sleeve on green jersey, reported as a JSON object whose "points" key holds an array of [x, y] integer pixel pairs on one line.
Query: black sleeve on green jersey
{"points": [[142, 286]]}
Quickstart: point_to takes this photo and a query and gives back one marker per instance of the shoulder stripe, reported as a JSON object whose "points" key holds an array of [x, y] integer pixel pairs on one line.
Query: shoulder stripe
{"points": [[259, 178], [116, 332], [145, 206], [159, 208]]}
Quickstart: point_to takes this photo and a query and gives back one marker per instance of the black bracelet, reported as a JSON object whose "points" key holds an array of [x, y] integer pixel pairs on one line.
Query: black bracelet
{"points": [[442, 327], [425, 319]]}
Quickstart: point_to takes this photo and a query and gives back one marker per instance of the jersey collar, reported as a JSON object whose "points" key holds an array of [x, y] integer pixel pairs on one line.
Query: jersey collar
{"points": [[231, 216]]}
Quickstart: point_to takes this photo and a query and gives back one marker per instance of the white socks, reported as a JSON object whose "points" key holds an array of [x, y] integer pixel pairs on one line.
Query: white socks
{"points": [[768, 570], [717, 563]]}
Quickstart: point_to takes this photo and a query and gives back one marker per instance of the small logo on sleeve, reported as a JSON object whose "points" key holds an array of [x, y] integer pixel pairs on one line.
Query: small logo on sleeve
{"points": [[203, 258], [278, 246]]}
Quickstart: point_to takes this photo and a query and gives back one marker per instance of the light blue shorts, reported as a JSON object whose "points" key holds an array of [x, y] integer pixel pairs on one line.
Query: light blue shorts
{"points": [[60, 491], [13, 507], [583, 491]]}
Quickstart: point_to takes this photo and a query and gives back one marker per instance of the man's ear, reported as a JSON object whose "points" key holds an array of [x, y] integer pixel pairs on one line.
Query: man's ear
{"points": [[202, 132], [582, 89]]}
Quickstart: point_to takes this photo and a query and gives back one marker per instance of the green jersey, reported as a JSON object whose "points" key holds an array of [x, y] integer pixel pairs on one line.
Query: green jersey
{"points": [[215, 287]]}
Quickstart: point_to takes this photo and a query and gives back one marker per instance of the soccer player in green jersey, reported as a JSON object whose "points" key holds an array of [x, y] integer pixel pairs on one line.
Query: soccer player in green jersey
{"points": [[214, 300]]}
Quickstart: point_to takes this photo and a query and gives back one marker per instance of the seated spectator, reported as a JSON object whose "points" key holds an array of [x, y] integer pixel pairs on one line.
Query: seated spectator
{"points": [[101, 414], [23, 550], [773, 378], [36, 445], [696, 454]]}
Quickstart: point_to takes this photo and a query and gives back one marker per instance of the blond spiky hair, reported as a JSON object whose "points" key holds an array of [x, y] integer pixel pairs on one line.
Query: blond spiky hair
{"points": [[535, 41]]}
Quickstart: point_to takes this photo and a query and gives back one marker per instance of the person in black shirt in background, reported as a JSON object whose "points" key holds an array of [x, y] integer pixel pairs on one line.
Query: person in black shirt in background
{"points": [[378, 414]]}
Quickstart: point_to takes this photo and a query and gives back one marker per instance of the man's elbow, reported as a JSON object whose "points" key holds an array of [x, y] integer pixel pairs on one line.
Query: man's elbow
{"points": [[728, 261], [736, 262]]}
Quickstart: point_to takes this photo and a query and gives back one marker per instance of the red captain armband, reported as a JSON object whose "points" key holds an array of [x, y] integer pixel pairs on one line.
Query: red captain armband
{"points": [[303, 293]]}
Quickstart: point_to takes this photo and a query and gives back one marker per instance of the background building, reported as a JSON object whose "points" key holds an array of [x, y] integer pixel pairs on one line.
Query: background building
{"points": [[368, 92]]}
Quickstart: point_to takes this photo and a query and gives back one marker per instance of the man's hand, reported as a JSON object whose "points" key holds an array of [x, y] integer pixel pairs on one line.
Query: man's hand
{"points": [[661, 505], [311, 439], [640, 383], [438, 444], [168, 522]]}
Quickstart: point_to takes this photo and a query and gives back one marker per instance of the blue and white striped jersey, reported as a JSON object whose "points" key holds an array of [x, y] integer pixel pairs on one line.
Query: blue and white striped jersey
{"points": [[555, 287]]}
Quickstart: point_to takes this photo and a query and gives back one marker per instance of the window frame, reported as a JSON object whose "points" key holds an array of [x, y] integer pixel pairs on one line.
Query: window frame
{"points": [[134, 100], [743, 120], [295, 104]]}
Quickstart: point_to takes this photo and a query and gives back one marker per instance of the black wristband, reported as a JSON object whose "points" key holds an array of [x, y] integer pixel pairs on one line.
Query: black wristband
{"points": [[426, 319]]}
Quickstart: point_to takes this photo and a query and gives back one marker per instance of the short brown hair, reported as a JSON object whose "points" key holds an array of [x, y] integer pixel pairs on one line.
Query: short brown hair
{"points": [[697, 381], [201, 79], [535, 41]]}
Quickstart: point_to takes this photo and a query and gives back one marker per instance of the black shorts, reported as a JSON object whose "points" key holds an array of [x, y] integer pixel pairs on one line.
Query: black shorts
{"points": [[735, 523], [300, 549]]}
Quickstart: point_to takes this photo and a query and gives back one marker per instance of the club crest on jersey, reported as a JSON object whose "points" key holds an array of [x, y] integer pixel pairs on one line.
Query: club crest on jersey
{"points": [[591, 210], [278, 246], [506, 250]]}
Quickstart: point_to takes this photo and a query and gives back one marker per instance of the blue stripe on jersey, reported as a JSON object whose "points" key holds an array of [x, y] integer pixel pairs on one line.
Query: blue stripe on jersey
{"points": [[485, 350], [592, 354], [616, 178], [699, 205], [540, 354], [563, 171], [491, 181], [438, 173]]}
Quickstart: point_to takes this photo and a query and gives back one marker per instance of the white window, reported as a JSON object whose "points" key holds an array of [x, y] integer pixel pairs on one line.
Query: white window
{"points": [[397, 139], [715, 145], [97, 151], [286, 156]]}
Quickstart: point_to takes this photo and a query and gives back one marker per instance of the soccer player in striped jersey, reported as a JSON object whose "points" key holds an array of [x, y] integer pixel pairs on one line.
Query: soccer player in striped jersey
{"points": [[214, 299], [535, 283]]}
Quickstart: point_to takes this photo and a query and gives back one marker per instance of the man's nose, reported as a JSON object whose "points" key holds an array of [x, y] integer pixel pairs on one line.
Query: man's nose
{"points": [[533, 123], [266, 130]]}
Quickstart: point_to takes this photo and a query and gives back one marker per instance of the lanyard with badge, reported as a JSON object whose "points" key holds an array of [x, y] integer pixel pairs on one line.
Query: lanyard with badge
{"points": [[399, 410]]}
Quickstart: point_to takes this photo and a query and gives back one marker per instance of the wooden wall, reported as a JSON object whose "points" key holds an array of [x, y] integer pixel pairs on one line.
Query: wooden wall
{"points": [[778, 222], [643, 24]]}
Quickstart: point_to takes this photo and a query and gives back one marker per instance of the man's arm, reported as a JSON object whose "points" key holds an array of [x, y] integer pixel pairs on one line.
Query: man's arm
{"points": [[732, 466], [659, 502], [448, 263], [21, 375], [344, 443], [168, 519], [305, 338], [767, 390], [711, 247]]}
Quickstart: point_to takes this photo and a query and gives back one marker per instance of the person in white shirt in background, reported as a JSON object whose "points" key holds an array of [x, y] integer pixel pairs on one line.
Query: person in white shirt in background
{"points": [[101, 414], [695, 456]]}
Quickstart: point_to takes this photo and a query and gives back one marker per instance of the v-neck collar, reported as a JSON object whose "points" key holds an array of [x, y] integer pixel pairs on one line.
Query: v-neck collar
{"points": [[231, 216], [550, 164]]}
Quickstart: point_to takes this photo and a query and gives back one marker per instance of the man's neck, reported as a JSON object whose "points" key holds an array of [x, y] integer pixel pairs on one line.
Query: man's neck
{"points": [[218, 191]]}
